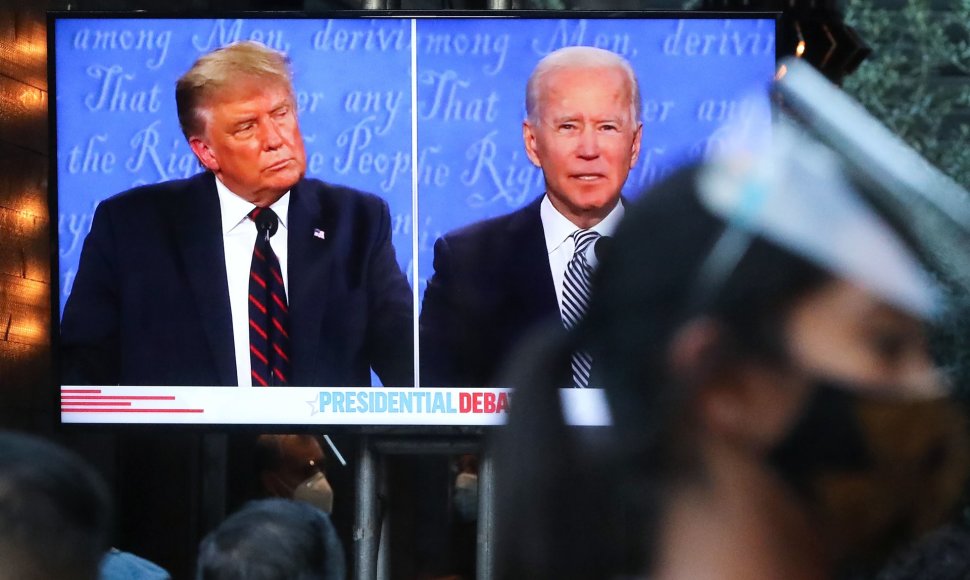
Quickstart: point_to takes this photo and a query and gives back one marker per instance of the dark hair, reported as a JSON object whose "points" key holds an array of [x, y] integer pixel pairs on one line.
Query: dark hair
{"points": [[55, 512], [272, 539], [581, 503]]}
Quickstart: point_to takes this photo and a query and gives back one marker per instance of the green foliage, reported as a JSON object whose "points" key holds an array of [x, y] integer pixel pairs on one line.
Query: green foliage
{"points": [[918, 75]]}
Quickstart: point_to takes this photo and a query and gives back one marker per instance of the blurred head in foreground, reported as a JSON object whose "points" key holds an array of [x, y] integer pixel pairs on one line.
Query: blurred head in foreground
{"points": [[776, 412], [55, 512], [272, 539]]}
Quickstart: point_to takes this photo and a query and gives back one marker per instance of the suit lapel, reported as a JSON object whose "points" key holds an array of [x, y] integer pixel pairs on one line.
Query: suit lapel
{"points": [[198, 234], [533, 292], [310, 253]]}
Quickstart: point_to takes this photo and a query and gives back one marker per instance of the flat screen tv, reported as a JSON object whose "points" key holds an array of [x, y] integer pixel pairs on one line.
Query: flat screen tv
{"points": [[424, 111]]}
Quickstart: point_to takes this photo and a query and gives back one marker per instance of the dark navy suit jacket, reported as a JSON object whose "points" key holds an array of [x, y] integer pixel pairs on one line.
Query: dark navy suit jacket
{"points": [[150, 302], [491, 286]]}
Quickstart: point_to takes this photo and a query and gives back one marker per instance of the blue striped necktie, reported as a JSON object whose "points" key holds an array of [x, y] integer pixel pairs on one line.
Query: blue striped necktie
{"points": [[575, 300], [269, 339]]}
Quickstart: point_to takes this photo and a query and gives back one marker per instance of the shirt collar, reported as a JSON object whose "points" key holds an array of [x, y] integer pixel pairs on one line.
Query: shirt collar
{"points": [[557, 228], [235, 209]]}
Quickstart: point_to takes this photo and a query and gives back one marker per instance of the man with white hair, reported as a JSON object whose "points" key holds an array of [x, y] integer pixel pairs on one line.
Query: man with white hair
{"points": [[497, 279]]}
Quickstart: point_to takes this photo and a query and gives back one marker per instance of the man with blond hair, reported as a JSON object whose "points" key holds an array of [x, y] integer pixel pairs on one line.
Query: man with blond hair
{"points": [[248, 273], [496, 280]]}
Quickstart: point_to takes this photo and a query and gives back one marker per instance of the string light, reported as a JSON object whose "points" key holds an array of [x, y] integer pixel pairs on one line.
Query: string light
{"points": [[800, 47]]}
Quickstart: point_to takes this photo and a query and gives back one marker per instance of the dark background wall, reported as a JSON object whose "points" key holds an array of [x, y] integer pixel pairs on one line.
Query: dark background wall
{"points": [[25, 363]]}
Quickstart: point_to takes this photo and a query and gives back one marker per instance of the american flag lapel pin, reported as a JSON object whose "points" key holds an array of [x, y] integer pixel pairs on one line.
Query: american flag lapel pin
{"points": [[318, 233]]}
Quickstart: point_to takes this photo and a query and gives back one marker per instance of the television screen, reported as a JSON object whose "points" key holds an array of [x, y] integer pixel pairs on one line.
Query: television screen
{"points": [[412, 132]]}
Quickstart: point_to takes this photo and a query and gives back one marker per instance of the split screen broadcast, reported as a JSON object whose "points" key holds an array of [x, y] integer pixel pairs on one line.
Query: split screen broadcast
{"points": [[413, 140]]}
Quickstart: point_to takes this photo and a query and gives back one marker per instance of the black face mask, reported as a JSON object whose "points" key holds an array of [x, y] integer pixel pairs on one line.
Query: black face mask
{"points": [[876, 471]]}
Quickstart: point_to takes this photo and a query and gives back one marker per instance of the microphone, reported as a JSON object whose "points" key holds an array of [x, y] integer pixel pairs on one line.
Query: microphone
{"points": [[267, 223]]}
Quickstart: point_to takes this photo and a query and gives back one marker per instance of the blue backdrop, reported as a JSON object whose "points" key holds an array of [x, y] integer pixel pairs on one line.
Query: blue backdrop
{"points": [[117, 126]]}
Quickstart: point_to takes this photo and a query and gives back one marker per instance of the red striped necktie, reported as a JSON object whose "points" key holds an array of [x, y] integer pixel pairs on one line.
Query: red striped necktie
{"points": [[269, 339]]}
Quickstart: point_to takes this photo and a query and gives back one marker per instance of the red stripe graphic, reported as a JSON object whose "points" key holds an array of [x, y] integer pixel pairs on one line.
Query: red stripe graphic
{"points": [[258, 278], [260, 379], [278, 276], [96, 403], [123, 398], [79, 401], [73, 410]]}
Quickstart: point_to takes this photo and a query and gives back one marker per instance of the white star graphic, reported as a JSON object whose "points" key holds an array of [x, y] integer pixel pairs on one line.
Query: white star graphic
{"points": [[314, 405]]}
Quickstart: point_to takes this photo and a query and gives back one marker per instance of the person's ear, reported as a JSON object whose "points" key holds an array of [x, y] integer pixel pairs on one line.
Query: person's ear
{"points": [[700, 360], [204, 153], [635, 148], [754, 404], [736, 398], [531, 145]]}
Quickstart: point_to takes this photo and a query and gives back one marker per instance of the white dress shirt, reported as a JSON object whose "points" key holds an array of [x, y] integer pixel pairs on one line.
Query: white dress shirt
{"points": [[238, 239], [559, 243]]}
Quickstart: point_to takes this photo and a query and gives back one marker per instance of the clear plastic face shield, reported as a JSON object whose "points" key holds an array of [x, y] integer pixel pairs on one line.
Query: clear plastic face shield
{"points": [[801, 195], [796, 196], [860, 458], [932, 209]]}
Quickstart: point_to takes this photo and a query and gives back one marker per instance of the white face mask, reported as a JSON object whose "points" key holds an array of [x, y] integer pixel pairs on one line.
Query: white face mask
{"points": [[316, 491]]}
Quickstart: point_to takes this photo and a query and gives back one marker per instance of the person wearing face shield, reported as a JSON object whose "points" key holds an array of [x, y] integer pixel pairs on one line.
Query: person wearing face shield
{"points": [[775, 410]]}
